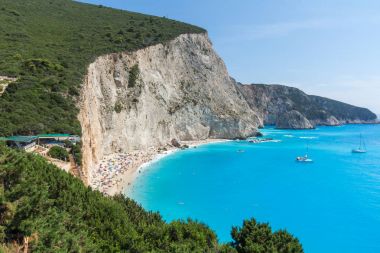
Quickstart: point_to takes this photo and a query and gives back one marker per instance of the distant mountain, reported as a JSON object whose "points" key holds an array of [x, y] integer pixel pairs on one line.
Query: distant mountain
{"points": [[291, 108]]}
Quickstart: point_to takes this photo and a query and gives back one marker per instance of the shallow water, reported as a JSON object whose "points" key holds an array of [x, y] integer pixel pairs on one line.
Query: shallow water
{"points": [[331, 205]]}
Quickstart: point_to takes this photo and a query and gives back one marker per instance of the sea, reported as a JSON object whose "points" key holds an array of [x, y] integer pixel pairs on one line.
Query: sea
{"points": [[331, 204]]}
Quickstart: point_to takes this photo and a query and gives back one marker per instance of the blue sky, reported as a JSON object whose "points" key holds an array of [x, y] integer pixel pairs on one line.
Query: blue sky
{"points": [[325, 47]]}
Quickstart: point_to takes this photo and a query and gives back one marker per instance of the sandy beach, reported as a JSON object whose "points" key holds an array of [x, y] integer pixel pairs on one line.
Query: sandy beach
{"points": [[116, 172]]}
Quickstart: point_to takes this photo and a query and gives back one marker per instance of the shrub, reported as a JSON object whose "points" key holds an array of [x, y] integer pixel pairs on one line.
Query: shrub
{"points": [[118, 107], [256, 237], [42, 66], [76, 151], [59, 153], [133, 75]]}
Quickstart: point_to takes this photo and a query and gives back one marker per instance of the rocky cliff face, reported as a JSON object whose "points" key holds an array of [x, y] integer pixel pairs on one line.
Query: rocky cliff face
{"points": [[4, 82], [146, 98], [293, 120], [290, 108]]}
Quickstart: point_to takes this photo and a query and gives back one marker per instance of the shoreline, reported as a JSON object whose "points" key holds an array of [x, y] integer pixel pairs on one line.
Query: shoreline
{"points": [[116, 172]]}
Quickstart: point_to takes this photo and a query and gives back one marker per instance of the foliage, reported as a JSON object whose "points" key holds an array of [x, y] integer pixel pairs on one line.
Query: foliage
{"points": [[118, 107], [77, 153], [59, 214], [133, 76], [49, 44], [59, 153], [255, 237]]}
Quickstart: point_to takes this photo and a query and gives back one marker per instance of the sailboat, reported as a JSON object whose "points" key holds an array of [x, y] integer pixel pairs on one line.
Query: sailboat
{"points": [[362, 148], [305, 158]]}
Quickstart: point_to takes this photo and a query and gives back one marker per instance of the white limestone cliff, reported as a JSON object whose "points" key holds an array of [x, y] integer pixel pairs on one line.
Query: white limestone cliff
{"points": [[182, 91]]}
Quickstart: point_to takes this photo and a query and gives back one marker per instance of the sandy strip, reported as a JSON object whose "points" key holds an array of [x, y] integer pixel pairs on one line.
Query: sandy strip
{"points": [[118, 171]]}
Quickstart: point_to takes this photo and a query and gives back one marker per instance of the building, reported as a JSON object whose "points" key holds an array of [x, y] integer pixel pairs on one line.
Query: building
{"points": [[28, 143], [22, 142], [56, 139]]}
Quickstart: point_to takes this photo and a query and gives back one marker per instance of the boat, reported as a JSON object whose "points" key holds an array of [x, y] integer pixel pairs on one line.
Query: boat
{"points": [[305, 158], [362, 148], [264, 140]]}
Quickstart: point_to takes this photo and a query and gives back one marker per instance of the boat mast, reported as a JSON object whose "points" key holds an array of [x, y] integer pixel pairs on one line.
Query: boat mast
{"points": [[363, 143]]}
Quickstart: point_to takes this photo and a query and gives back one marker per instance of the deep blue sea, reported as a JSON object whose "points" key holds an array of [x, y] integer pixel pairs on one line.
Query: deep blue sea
{"points": [[331, 205]]}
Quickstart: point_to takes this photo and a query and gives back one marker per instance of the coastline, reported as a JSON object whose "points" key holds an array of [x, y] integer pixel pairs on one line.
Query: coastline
{"points": [[131, 164], [111, 184]]}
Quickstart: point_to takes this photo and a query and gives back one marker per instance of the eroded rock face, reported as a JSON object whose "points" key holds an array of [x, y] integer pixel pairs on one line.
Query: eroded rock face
{"points": [[180, 90], [293, 120], [283, 106]]}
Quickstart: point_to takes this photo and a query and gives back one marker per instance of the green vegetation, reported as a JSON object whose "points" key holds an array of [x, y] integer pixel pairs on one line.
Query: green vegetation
{"points": [[258, 238], [118, 107], [75, 150], [55, 212], [77, 153], [59, 153], [49, 44], [134, 73]]}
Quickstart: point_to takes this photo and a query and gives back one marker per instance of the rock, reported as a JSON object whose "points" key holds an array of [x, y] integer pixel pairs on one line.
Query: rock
{"points": [[175, 143], [328, 121], [293, 120], [4, 82], [259, 134]]}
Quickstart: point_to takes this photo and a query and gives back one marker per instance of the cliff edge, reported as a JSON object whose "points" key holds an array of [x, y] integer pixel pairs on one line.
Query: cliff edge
{"points": [[177, 90]]}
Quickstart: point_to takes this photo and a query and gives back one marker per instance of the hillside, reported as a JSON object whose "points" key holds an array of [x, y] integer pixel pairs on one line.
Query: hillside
{"points": [[288, 107], [48, 45], [142, 80]]}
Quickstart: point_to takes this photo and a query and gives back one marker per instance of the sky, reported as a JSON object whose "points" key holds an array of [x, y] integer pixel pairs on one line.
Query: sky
{"points": [[329, 48]]}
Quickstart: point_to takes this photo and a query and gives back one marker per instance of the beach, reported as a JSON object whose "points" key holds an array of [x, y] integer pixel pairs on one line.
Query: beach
{"points": [[115, 172]]}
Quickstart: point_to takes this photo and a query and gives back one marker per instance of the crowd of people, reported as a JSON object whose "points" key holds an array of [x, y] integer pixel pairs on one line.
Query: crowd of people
{"points": [[109, 168]]}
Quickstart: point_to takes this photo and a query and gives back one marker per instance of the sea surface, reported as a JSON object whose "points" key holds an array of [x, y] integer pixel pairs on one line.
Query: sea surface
{"points": [[331, 205]]}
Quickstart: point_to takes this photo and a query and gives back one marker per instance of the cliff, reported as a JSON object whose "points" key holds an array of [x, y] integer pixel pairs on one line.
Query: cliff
{"points": [[177, 90], [290, 108]]}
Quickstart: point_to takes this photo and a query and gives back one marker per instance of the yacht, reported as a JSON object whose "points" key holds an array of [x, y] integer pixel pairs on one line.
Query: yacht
{"points": [[362, 148]]}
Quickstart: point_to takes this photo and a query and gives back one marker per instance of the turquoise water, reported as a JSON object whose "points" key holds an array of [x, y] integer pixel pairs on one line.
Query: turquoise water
{"points": [[331, 205]]}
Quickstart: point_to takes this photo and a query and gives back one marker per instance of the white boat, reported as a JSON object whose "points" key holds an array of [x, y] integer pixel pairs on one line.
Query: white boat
{"points": [[362, 148], [305, 158]]}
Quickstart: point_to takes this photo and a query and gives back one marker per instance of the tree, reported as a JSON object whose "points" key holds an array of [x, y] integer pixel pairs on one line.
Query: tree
{"points": [[256, 237], [59, 153]]}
